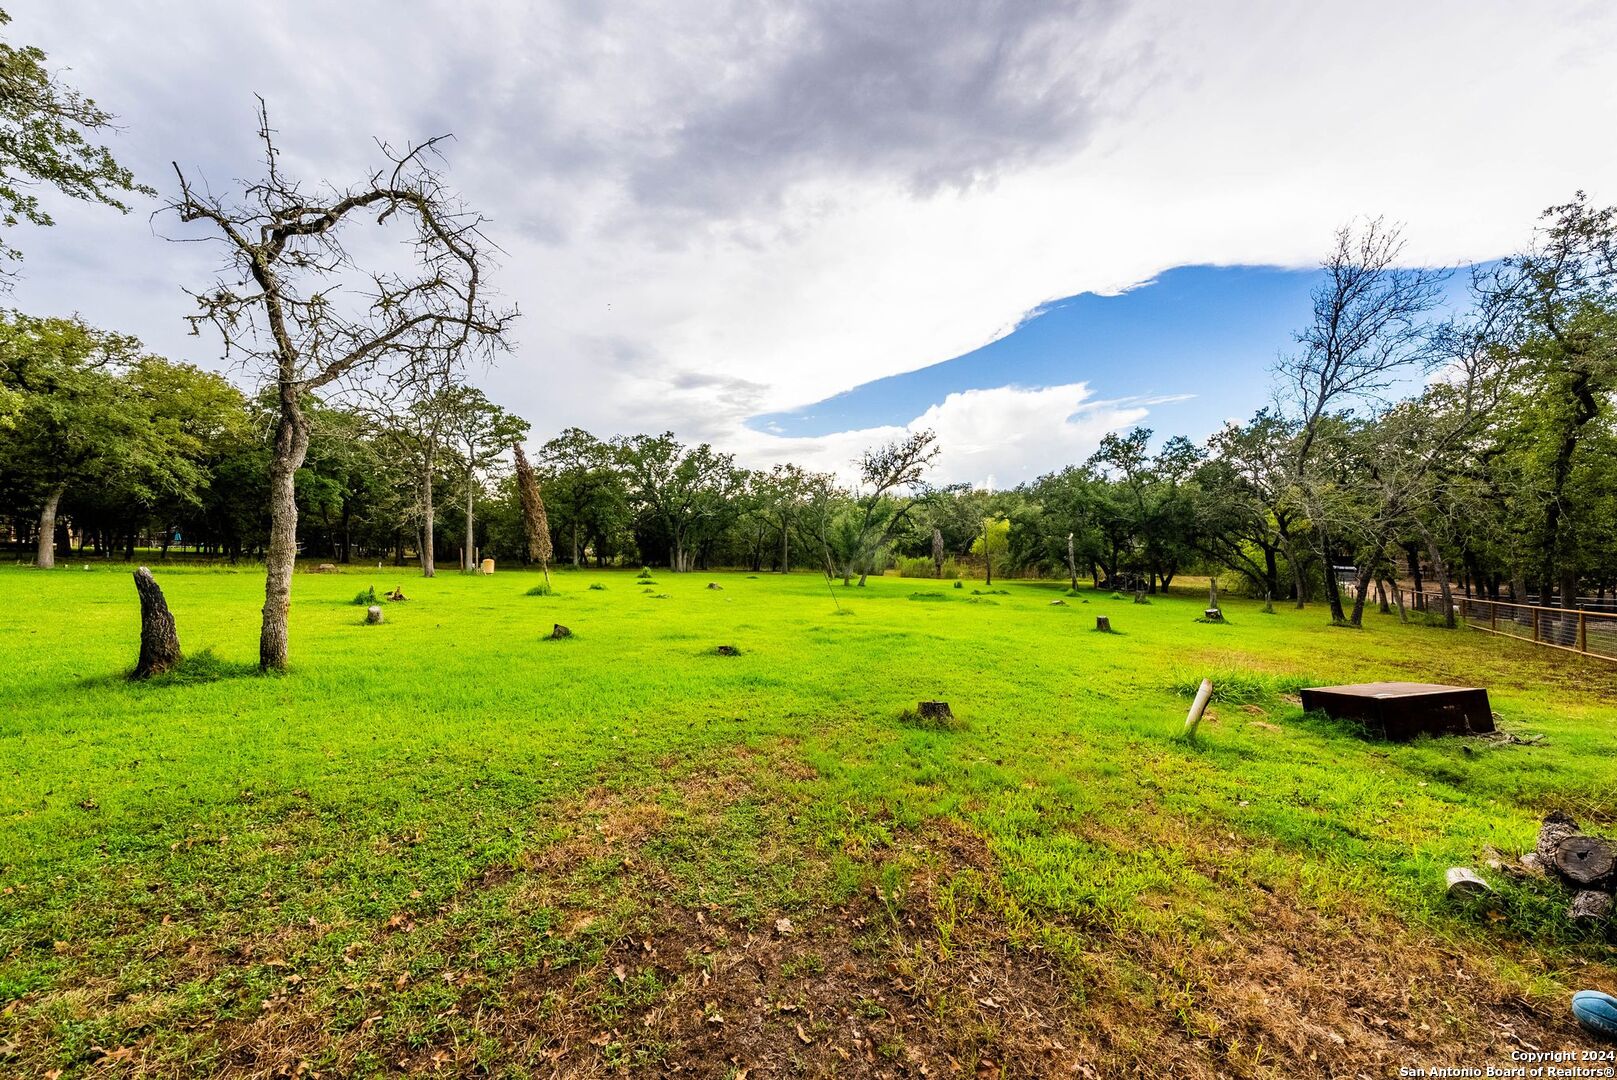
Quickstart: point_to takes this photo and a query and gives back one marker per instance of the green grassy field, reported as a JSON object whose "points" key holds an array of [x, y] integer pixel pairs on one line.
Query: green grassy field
{"points": [[449, 845]]}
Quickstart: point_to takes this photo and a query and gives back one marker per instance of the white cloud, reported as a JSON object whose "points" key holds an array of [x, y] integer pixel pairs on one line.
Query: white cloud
{"points": [[1010, 433], [716, 209]]}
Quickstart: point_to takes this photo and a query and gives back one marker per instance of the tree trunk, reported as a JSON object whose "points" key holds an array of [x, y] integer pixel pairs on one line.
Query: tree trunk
{"points": [[45, 558], [471, 537], [1441, 570], [1413, 554], [1333, 591], [1072, 566], [280, 559], [1361, 594], [1299, 583], [785, 548], [428, 541], [159, 640]]}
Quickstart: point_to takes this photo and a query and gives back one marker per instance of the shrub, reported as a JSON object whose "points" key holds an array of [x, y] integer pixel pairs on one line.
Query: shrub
{"points": [[541, 589], [924, 568], [930, 596], [597, 587], [366, 598], [959, 584]]}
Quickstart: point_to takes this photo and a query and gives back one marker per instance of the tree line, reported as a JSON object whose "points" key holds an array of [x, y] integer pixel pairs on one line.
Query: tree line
{"points": [[1470, 448], [1496, 473]]}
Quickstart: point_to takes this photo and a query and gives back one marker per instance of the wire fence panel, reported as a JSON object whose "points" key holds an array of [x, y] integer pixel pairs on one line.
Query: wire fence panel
{"points": [[1575, 629]]}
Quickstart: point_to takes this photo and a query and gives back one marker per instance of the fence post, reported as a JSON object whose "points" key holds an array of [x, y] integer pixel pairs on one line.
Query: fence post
{"points": [[1533, 611], [1493, 615], [1583, 632]]}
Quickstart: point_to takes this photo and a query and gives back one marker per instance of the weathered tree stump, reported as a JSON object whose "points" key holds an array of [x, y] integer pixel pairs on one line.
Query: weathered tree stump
{"points": [[486, 566], [559, 631], [1465, 884], [1557, 826], [1103, 624], [935, 710], [1587, 860], [1589, 905], [373, 614], [326, 568], [715, 586], [1212, 614], [1058, 603], [1139, 597], [728, 650], [159, 640]]}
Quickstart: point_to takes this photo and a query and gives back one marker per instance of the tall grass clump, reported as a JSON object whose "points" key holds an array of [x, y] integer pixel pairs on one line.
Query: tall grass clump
{"points": [[1239, 686]]}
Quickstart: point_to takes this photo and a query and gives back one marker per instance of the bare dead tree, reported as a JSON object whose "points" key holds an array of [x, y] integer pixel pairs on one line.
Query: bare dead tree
{"points": [[296, 309], [1369, 326]]}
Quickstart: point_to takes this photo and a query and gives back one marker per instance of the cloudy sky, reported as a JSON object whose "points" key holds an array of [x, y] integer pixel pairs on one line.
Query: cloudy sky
{"points": [[775, 226]]}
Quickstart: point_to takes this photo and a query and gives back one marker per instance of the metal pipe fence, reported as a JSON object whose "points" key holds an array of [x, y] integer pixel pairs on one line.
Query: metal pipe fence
{"points": [[1593, 633]]}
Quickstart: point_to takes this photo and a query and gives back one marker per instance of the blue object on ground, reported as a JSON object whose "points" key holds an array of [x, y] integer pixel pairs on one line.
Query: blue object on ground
{"points": [[1596, 1011]]}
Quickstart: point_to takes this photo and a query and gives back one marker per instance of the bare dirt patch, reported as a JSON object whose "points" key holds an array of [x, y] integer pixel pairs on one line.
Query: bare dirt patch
{"points": [[934, 972]]}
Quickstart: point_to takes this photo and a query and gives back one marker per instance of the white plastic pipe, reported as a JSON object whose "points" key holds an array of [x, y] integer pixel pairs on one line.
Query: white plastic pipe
{"points": [[1203, 695]]}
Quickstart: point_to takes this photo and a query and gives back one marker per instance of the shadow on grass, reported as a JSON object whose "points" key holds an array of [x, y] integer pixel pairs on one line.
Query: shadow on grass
{"points": [[196, 668]]}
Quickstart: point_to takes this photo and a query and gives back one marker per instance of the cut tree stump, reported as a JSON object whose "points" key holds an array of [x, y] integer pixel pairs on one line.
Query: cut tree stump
{"points": [[1587, 860], [159, 640], [1103, 624], [1557, 826], [373, 614], [1058, 603], [935, 710], [1213, 614], [1590, 905], [1465, 883], [559, 631]]}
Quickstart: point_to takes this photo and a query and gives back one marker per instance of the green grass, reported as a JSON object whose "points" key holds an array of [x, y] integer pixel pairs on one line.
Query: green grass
{"points": [[172, 853]]}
